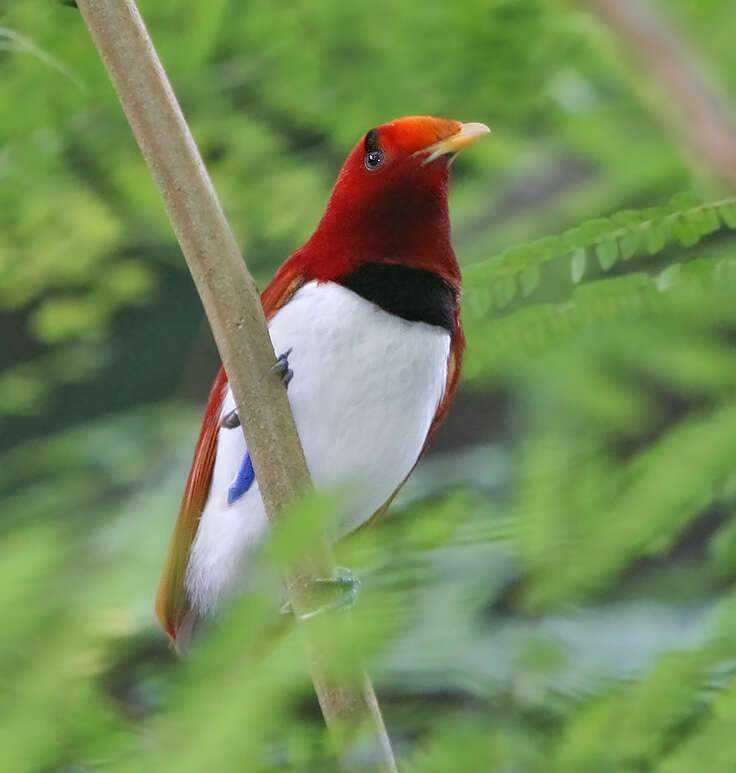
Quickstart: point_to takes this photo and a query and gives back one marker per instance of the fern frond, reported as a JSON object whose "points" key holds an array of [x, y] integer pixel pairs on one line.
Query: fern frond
{"points": [[532, 329], [494, 283], [649, 502]]}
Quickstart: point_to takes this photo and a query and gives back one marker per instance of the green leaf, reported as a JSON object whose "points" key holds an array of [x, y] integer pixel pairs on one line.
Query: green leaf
{"points": [[607, 253], [684, 200], [655, 237], [727, 211], [577, 266], [630, 243], [529, 279], [685, 231], [594, 230], [711, 221], [627, 218], [504, 290]]}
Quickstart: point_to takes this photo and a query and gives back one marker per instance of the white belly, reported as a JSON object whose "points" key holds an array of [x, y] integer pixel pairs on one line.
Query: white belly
{"points": [[366, 387]]}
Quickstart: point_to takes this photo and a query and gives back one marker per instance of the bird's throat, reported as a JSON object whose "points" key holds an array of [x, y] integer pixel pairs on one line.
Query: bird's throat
{"points": [[409, 228]]}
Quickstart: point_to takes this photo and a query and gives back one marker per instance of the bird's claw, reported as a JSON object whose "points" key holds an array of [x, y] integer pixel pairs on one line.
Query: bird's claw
{"points": [[230, 420], [282, 369], [345, 581]]}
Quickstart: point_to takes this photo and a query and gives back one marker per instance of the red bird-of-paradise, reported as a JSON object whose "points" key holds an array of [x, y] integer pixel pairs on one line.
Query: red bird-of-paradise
{"points": [[366, 319]]}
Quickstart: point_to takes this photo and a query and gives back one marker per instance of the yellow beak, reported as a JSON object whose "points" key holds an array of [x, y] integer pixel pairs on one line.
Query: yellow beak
{"points": [[469, 132]]}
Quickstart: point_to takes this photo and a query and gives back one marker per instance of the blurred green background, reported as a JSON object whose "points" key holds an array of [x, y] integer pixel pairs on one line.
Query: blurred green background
{"points": [[553, 589]]}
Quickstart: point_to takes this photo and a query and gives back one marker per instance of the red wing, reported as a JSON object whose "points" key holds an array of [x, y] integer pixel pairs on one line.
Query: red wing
{"points": [[172, 603], [171, 599]]}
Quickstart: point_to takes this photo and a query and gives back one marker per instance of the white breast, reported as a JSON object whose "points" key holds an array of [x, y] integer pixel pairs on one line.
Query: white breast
{"points": [[366, 387]]}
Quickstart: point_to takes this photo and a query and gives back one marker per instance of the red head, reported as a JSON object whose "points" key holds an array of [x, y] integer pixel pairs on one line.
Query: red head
{"points": [[389, 203]]}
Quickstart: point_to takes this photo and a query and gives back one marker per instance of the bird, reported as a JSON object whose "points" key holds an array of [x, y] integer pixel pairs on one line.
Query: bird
{"points": [[366, 318]]}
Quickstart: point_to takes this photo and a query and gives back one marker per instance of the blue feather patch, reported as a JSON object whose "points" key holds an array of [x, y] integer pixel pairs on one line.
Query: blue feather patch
{"points": [[243, 482]]}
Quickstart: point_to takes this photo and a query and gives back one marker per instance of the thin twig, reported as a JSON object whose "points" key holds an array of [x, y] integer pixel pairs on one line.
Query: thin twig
{"points": [[699, 118], [234, 310]]}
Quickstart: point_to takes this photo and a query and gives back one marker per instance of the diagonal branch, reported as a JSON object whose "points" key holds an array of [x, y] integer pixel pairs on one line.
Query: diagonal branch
{"points": [[701, 120], [234, 310]]}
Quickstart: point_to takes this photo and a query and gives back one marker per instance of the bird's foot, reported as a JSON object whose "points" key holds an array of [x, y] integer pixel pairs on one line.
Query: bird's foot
{"points": [[281, 367], [344, 588], [230, 420]]}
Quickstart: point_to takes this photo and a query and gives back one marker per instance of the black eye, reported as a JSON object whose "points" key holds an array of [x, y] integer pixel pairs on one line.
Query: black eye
{"points": [[373, 160]]}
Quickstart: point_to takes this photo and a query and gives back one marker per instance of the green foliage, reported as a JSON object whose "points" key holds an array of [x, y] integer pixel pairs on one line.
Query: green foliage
{"points": [[623, 236], [552, 590]]}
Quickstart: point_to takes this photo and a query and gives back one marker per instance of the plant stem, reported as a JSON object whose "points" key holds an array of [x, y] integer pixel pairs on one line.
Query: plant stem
{"points": [[700, 119], [233, 307]]}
